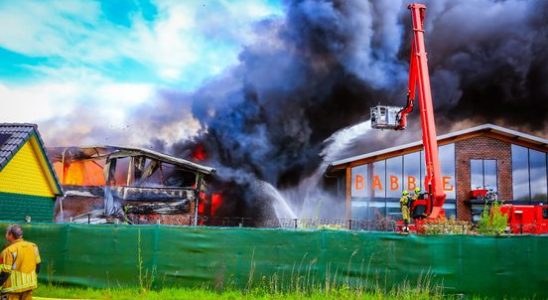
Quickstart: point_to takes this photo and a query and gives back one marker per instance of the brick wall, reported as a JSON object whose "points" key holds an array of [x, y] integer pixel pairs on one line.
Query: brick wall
{"points": [[482, 148]]}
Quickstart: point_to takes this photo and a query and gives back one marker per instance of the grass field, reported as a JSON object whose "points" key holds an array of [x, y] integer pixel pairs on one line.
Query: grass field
{"points": [[50, 291]]}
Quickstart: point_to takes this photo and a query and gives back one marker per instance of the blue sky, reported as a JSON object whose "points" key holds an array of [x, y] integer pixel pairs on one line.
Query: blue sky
{"points": [[58, 57]]}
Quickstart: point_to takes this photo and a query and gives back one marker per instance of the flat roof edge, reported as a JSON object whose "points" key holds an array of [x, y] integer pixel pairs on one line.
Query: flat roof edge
{"points": [[484, 127]]}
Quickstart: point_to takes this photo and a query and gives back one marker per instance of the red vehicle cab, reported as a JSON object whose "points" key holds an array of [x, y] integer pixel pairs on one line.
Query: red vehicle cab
{"points": [[531, 219]]}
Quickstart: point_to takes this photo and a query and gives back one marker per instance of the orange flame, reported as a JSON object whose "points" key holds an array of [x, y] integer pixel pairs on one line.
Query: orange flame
{"points": [[83, 173], [216, 202]]}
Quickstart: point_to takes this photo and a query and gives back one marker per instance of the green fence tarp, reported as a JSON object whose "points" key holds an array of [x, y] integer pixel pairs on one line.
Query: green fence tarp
{"points": [[108, 256]]}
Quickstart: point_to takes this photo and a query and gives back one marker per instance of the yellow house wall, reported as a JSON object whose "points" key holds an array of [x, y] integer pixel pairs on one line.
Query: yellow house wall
{"points": [[25, 174]]}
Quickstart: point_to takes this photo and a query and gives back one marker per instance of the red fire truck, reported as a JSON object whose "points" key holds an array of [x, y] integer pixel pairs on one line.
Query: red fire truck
{"points": [[522, 218], [531, 219], [430, 206]]}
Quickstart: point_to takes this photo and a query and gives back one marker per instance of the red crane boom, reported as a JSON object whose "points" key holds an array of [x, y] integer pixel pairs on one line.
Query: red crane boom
{"points": [[386, 117]]}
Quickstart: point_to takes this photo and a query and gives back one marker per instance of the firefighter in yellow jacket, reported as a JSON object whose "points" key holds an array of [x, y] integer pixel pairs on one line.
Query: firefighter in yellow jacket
{"points": [[20, 264], [404, 206]]}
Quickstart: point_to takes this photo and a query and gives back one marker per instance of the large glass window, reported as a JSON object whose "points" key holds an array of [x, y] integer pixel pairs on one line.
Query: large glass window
{"points": [[447, 162], [490, 174], [520, 172], [529, 174], [378, 190], [483, 174], [447, 165], [369, 191], [537, 165], [394, 177], [394, 183], [411, 171], [359, 174], [378, 182], [359, 192], [476, 174], [377, 187]]}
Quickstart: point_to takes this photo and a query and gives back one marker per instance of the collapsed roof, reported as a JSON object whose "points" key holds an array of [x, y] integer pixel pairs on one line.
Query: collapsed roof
{"points": [[125, 183], [60, 154]]}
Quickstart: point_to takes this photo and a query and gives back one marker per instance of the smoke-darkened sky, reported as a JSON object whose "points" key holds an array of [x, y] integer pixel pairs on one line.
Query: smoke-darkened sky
{"points": [[322, 66], [262, 86]]}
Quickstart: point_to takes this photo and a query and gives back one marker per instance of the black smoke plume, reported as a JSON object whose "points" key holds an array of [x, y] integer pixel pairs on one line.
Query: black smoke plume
{"points": [[320, 67]]}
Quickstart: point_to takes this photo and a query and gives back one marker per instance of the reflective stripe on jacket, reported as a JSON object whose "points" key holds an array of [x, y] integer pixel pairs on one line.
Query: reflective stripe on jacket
{"points": [[20, 260]]}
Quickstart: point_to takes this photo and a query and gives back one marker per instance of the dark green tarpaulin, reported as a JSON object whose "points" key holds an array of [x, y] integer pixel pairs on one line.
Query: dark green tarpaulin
{"points": [[108, 256]]}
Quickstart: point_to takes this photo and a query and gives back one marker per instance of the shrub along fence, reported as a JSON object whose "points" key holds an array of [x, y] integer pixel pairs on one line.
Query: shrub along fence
{"points": [[161, 256]]}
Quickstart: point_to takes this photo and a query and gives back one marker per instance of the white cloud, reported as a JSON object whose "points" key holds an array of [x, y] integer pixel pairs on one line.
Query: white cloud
{"points": [[183, 35], [46, 28], [36, 102], [164, 46], [184, 32], [124, 93], [73, 95], [39, 102], [76, 109], [86, 113]]}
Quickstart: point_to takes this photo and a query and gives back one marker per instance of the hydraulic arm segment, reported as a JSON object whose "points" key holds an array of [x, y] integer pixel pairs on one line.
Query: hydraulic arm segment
{"points": [[389, 117]]}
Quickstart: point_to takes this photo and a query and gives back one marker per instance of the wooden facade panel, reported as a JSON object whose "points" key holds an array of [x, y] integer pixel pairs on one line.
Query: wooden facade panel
{"points": [[24, 174]]}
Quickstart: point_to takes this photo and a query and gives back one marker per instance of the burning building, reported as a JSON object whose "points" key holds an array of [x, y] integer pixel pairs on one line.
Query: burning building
{"points": [[319, 68], [106, 184]]}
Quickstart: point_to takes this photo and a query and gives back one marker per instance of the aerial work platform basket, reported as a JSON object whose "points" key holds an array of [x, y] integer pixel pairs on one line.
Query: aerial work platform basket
{"points": [[385, 117]]}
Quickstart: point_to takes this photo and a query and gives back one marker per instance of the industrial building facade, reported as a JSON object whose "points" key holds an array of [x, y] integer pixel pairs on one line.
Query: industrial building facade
{"points": [[511, 163]]}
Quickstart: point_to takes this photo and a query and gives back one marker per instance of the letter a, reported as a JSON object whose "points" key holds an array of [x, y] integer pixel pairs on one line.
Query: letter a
{"points": [[377, 183]]}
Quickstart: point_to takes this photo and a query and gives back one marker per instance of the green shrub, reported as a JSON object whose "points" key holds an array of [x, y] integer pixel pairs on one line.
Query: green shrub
{"points": [[492, 221], [447, 226]]}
